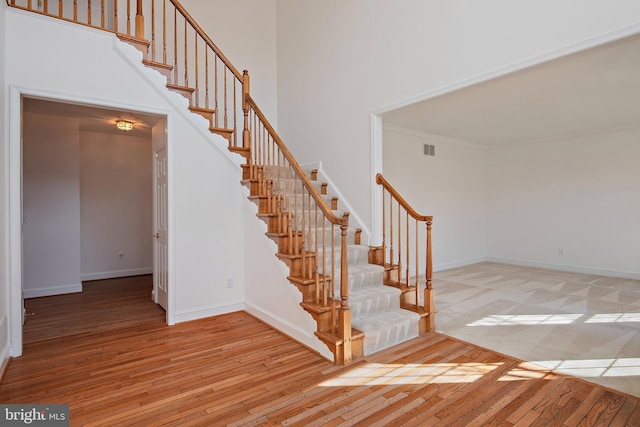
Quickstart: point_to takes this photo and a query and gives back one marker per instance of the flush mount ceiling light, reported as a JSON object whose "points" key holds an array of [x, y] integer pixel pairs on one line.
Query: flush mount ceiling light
{"points": [[124, 125]]}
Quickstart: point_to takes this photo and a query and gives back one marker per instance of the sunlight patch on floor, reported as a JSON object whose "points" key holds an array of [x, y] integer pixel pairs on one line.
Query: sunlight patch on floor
{"points": [[621, 367], [524, 371], [411, 373], [614, 318], [526, 319]]}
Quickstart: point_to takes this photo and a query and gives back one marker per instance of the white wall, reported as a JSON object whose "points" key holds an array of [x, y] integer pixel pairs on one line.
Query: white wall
{"points": [[4, 170], [340, 61], [451, 186], [51, 205], [245, 31], [115, 205], [580, 196]]}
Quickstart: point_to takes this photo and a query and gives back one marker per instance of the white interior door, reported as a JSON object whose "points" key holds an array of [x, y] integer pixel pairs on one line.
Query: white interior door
{"points": [[160, 247]]}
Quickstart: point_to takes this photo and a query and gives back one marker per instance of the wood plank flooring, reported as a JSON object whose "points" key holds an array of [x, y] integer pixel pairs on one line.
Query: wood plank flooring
{"points": [[235, 370]]}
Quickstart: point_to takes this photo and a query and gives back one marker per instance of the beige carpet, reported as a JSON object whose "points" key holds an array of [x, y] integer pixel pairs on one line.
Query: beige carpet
{"points": [[584, 325]]}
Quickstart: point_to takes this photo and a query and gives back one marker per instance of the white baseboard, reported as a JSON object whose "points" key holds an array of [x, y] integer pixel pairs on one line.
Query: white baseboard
{"points": [[116, 273], [561, 267], [57, 290], [203, 312], [306, 338]]}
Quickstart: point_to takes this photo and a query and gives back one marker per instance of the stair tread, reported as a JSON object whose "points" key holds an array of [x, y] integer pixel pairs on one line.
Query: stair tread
{"points": [[226, 130], [319, 308], [133, 39], [335, 339], [156, 64], [181, 88], [195, 108], [305, 280]]}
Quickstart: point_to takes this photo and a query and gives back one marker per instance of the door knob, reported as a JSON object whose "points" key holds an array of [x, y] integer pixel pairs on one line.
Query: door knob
{"points": [[157, 235]]}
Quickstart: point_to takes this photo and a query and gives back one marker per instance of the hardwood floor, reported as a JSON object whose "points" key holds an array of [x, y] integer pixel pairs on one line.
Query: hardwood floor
{"points": [[235, 370], [103, 305]]}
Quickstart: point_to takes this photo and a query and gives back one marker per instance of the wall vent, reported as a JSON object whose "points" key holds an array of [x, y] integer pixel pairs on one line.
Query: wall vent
{"points": [[429, 150]]}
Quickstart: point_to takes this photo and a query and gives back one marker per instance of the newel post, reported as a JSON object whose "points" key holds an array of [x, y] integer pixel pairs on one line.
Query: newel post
{"points": [[139, 20], [344, 315], [246, 135], [429, 301]]}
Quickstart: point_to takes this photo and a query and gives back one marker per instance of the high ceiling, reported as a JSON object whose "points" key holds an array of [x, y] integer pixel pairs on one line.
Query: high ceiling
{"points": [[95, 119], [592, 91]]}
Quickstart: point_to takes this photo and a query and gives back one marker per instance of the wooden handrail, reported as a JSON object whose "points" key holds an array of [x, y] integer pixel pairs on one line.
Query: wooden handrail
{"points": [[326, 210], [415, 215]]}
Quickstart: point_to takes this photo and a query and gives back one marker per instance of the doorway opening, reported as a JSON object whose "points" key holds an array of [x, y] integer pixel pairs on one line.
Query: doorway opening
{"points": [[91, 205]]}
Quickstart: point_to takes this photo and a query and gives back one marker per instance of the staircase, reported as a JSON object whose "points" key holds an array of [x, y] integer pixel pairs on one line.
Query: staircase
{"points": [[363, 298]]}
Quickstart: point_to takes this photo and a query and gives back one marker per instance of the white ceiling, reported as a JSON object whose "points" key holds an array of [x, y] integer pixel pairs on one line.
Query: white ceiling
{"points": [[592, 91], [95, 119]]}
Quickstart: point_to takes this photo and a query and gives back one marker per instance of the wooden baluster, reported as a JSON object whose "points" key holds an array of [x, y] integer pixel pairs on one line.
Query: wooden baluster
{"points": [[89, 12], [225, 96], [399, 246], [29, 4], [164, 31], [417, 246], [391, 257], [260, 160], [215, 89], [153, 30], [186, 56], [305, 242], [206, 78], [406, 252], [296, 215], [175, 46], [115, 14], [195, 50], [75, 9], [289, 225], [324, 260], [246, 88], [344, 316], [129, 17], [102, 14], [429, 300], [310, 227], [333, 279], [317, 249], [279, 187], [384, 230], [269, 149], [139, 20], [235, 114], [45, 6]]}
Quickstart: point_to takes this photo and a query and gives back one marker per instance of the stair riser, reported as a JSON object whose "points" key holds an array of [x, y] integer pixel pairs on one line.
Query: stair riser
{"points": [[307, 291], [287, 244], [265, 205], [273, 223], [297, 266]]}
